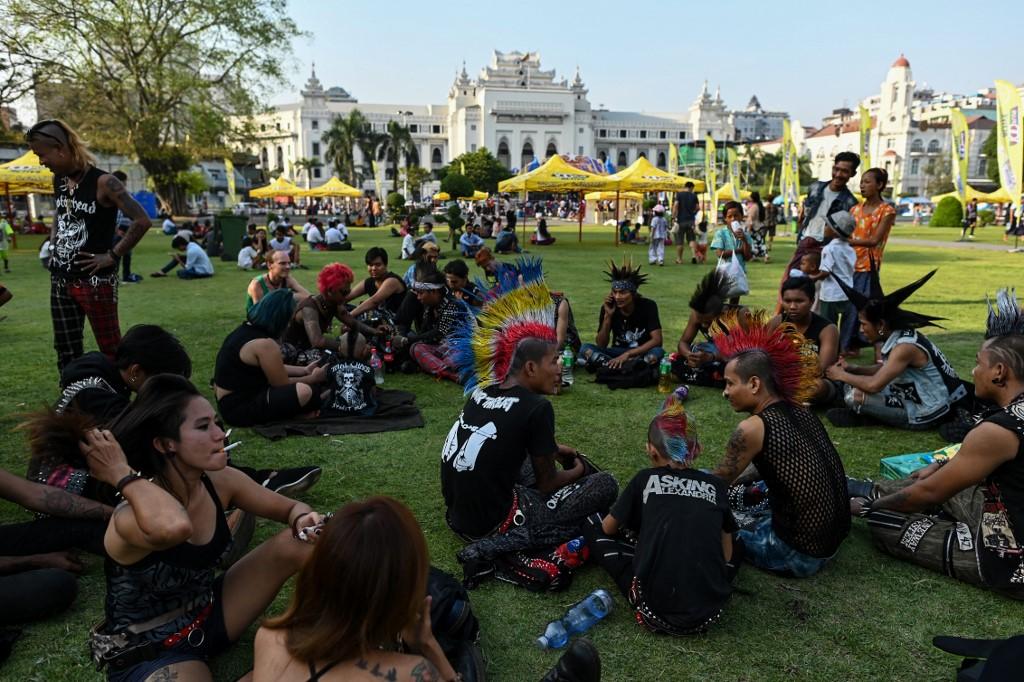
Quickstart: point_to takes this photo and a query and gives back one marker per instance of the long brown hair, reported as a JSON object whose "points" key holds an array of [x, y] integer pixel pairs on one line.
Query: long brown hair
{"points": [[364, 583]]}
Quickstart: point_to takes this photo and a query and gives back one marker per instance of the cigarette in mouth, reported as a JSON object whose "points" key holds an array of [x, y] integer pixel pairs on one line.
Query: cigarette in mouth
{"points": [[232, 446]]}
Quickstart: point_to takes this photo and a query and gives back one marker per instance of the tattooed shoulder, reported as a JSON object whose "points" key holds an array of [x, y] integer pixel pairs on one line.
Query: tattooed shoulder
{"points": [[424, 672]]}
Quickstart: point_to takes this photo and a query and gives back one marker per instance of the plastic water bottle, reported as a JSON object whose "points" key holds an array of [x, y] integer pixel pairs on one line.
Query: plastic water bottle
{"points": [[577, 620], [378, 368], [567, 360], [665, 376]]}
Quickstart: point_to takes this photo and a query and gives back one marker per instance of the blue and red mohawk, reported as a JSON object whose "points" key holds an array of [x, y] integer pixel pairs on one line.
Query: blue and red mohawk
{"points": [[519, 307]]}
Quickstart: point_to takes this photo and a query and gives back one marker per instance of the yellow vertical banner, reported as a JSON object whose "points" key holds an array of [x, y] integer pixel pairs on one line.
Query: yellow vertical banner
{"points": [[734, 172], [462, 167], [771, 182], [377, 181], [865, 138], [710, 175], [960, 149], [784, 179], [1009, 145], [794, 171], [673, 168], [229, 173]]}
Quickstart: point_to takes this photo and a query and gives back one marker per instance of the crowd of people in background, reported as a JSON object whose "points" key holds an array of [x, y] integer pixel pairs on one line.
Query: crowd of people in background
{"points": [[140, 461]]}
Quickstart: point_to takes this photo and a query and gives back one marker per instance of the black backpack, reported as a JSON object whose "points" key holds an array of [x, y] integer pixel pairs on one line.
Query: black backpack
{"points": [[455, 627]]}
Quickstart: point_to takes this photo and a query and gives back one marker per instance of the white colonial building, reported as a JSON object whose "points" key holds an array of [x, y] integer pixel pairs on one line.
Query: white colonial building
{"points": [[514, 108], [910, 128]]}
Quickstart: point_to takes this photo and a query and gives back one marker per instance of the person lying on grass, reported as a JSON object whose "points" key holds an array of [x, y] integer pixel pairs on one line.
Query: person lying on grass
{"points": [[963, 516], [677, 575], [167, 612], [797, 531]]}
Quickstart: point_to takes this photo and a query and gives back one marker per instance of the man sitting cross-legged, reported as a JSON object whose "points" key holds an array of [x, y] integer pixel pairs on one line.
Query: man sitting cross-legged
{"points": [[965, 516], [426, 321], [628, 324], [278, 276], [768, 375], [499, 478]]}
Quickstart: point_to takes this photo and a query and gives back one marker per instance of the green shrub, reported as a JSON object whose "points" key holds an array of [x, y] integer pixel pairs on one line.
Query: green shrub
{"points": [[949, 213], [396, 206], [986, 217], [457, 186]]}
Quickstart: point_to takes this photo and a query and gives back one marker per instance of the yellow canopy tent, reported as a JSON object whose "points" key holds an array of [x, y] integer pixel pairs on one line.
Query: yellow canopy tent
{"points": [[281, 187], [1000, 196], [610, 196], [332, 188], [477, 196], [556, 175], [26, 171], [994, 197], [442, 196], [724, 193], [643, 176]]}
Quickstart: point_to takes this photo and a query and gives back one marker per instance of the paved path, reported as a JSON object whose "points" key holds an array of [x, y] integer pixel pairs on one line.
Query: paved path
{"points": [[942, 244]]}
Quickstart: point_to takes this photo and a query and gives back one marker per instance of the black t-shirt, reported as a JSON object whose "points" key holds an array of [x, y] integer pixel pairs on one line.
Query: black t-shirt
{"points": [[814, 329], [83, 225], [688, 206], [679, 515], [635, 330], [485, 450], [392, 302], [1002, 527], [93, 385]]}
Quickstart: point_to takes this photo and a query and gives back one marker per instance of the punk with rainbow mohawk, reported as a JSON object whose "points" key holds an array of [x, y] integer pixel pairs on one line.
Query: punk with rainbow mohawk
{"points": [[672, 432], [795, 369], [518, 307]]}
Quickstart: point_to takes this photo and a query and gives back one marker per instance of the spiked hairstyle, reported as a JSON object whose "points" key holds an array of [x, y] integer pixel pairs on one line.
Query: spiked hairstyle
{"points": [[672, 432], [1006, 317], [878, 306], [711, 293], [625, 277], [518, 307], [794, 365]]}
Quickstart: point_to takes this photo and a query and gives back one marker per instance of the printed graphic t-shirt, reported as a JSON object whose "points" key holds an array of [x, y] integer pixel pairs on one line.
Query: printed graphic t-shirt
{"points": [[679, 515], [83, 225], [485, 450], [635, 330]]}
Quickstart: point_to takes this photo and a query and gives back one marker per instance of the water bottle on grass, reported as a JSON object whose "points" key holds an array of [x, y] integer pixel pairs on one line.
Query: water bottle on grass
{"points": [[378, 367], [567, 366], [577, 620]]}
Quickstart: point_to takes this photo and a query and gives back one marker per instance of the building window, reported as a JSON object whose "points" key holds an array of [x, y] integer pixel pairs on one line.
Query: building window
{"points": [[890, 143], [661, 160], [622, 160], [315, 124], [413, 128], [263, 127], [526, 156], [278, 126], [682, 134], [472, 147], [933, 147], [602, 133], [982, 167], [316, 172], [280, 158], [581, 131], [472, 126], [435, 157], [622, 134], [643, 134], [915, 166], [504, 157], [316, 149], [663, 135], [580, 152], [917, 146], [435, 129]]}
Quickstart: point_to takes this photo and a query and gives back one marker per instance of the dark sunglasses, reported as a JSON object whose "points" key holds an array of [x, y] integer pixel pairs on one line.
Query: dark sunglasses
{"points": [[37, 130]]}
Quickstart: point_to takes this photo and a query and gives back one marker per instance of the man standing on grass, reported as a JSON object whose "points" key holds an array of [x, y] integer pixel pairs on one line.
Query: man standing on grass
{"points": [[684, 213], [83, 263]]}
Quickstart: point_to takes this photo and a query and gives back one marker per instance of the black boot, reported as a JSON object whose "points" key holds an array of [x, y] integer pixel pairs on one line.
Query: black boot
{"points": [[580, 663]]}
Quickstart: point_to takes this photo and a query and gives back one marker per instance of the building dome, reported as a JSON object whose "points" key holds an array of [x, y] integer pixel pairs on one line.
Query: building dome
{"points": [[901, 61]]}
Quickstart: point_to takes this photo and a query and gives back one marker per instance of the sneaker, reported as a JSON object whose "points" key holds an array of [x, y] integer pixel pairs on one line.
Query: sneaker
{"points": [[844, 417], [289, 482], [580, 663], [859, 487], [135, 277], [970, 236]]}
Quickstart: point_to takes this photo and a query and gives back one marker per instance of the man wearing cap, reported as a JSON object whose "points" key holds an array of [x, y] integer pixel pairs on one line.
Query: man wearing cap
{"points": [[684, 214], [837, 261], [659, 232], [426, 320], [83, 260]]}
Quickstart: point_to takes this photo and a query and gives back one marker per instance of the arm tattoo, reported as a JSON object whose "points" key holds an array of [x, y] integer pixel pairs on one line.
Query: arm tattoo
{"points": [[424, 672], [57, 502], [731, 463], [897, 501], [391, 675], [164, 674]]}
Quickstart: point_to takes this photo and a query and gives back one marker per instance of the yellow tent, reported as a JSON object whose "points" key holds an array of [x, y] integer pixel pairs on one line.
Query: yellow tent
{"points": [[643, 176], [332, 188], [281, 187], [555, 175], [477, 196], [442, 196], [1000, 196], [25, 175], [606, 196], [724, 193]]}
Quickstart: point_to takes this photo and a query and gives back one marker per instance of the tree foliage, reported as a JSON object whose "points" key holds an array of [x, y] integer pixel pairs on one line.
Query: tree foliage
{"points": [[939, 176], [457, 186], [415, 176], [482, 168], [155, 79], [990, 151]]}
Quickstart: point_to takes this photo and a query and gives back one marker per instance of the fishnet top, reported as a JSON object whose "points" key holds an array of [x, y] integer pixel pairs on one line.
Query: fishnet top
{"points": [[806, 481]]}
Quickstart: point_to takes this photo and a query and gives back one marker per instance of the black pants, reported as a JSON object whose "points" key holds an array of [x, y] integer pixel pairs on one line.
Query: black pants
{"points": [[41, 593]]}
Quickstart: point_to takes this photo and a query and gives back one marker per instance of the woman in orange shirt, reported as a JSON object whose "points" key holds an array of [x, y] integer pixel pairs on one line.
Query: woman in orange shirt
{"points": [[875, 218]]}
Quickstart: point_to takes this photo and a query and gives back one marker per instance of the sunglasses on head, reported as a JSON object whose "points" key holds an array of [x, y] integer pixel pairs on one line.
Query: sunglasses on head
{"points": [[37, 130]]}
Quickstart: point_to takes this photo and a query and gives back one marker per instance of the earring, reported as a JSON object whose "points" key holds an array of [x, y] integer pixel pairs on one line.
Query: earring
{"points": [[999, 381]]}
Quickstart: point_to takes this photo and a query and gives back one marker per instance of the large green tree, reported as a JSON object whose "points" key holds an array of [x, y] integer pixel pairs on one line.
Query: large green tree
{"points": [[306, 165], [398, 143], [158, 80], [482, 169], [341, 140]]}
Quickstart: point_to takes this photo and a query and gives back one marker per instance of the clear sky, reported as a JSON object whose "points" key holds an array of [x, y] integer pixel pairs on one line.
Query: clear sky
{"points": [[654, 56]]}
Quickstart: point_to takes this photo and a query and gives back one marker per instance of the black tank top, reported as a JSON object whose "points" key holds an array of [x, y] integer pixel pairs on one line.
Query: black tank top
{"points": [[1008, 478], [392, 302], [166, 580], [814, 329], [229, 372], [806, 481], [83, 225]]}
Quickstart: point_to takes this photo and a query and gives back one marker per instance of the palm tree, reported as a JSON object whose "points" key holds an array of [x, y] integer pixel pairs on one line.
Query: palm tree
{"points": [[307, 165], [399, 141], [342, 138]]}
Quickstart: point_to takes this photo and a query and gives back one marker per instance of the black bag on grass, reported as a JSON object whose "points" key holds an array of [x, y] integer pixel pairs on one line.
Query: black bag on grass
{"points": [[455, 626], [634, 373]]}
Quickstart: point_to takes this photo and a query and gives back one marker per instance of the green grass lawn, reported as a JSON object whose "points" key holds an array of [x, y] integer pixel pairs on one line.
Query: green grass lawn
{"points": [[867, 616]]}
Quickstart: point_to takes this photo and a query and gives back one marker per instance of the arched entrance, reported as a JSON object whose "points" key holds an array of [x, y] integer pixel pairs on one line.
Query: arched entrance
{"points": [[526, 156], [504, 157]]}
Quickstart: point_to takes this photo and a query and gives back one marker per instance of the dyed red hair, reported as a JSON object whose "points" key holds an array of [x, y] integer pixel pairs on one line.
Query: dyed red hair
{"points": [[334, 276]]}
